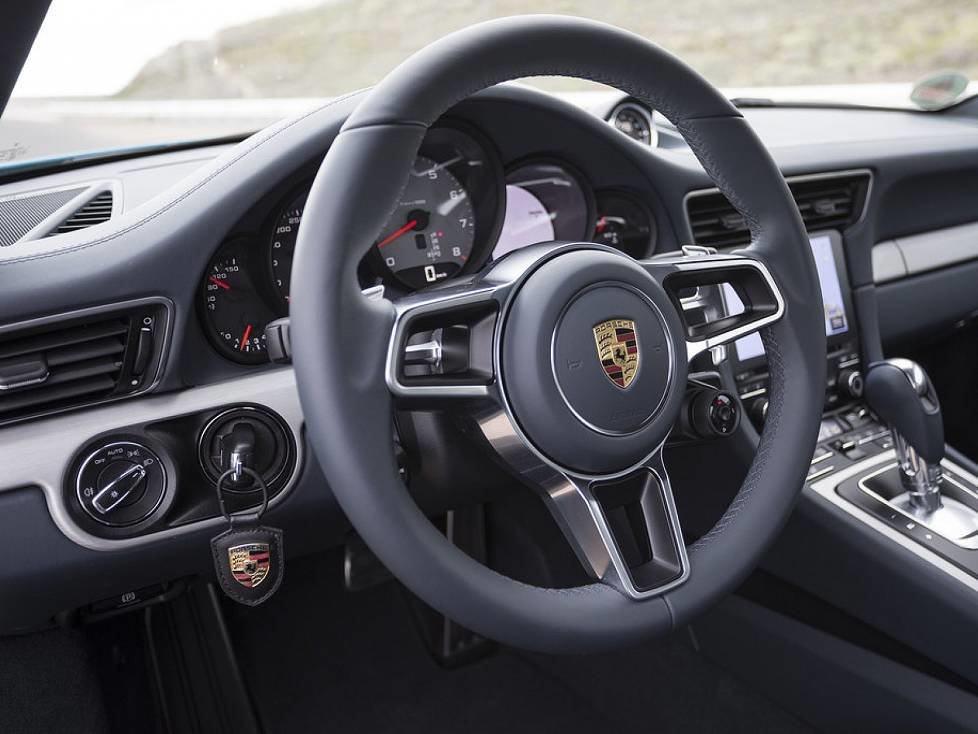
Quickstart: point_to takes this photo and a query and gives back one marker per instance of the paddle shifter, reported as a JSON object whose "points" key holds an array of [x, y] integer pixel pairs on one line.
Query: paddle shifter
{"points": [[902, 395]]}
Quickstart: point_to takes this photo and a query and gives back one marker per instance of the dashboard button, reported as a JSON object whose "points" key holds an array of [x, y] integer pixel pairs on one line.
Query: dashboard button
{"points": [[120, 483]]}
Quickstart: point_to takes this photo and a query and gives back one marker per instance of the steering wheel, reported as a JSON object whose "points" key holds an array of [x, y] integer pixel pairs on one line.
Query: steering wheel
{"points": [[574, 356]]}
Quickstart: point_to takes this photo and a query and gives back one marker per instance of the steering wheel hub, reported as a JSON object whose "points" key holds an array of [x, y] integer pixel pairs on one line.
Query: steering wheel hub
{"points": [[591, 363]]}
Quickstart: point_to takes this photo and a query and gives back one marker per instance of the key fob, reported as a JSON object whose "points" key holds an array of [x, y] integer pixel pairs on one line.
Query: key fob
{"points": [[249, 562]]}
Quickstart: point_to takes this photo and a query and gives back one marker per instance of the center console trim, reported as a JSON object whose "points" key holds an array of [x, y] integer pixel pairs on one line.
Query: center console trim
{"points": [[825, 489], [970, 543], [40, 452]]}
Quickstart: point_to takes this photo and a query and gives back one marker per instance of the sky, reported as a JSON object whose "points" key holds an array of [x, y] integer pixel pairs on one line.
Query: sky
{"points": [[96, 48]]}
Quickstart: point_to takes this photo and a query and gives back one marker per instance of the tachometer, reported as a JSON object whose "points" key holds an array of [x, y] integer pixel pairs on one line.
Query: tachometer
{"points": [[430, 235], [448, 215], [234, 313]]}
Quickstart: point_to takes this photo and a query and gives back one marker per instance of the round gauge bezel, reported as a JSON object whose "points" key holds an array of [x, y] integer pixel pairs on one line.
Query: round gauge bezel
{"points": [[488, 200], [572, 171], [643, 112], [633, 198], [247, 249]]}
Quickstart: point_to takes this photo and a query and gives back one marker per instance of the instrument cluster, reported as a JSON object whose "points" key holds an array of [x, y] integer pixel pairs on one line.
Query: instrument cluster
{"points": [[460, 209]]}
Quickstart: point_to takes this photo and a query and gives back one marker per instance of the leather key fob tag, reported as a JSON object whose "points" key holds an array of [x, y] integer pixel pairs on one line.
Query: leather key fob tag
{"points": [[249, 562]]}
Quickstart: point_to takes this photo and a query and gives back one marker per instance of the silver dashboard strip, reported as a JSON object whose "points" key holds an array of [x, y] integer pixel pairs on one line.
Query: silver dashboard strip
{"points": [[825, 488], [39, 453]]}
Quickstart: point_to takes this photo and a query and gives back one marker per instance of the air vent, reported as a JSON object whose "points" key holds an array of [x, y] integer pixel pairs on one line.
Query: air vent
{"points": [[96, 211], [55, 364], [825, 202]]}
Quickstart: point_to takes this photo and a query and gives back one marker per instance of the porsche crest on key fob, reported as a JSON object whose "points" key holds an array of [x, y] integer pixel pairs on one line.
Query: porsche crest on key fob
{"points": [[249, 562], [249, 558]]}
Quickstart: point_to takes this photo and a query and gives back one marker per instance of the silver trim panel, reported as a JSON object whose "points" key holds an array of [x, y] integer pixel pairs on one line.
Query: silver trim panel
{"points": [[969, 542], [905, 257], [825, 489], [40, 452]]}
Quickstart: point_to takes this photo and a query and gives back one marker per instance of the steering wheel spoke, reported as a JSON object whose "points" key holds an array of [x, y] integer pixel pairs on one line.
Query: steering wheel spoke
{"points": [[721, 298], [625, 530], [441, 345]]}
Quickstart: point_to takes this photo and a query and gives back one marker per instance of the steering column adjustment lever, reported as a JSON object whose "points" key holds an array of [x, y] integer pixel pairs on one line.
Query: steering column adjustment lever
{"points": [[902, 395]]}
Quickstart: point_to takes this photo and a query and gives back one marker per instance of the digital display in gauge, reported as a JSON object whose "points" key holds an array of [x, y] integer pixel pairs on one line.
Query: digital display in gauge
{"points": [[234, 313], [430, 235], [544, 201], [624, 223]]}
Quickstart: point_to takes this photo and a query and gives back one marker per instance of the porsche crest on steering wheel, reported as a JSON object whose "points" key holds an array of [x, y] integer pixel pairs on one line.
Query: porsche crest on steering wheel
{"points": [[617, 344]]}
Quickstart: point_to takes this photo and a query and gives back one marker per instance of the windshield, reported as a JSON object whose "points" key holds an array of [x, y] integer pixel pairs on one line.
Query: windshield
{"points": [[119, 74]]}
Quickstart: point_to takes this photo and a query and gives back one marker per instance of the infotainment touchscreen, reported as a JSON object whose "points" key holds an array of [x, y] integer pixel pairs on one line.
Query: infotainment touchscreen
{"points": [[836, 320]]}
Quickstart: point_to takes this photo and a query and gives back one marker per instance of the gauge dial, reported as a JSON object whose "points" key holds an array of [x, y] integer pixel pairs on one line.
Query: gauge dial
{"points": [[430, 235], [544, 201], [235, 314], [282, 249], [624, 223], [636, 122], [448, 215]]}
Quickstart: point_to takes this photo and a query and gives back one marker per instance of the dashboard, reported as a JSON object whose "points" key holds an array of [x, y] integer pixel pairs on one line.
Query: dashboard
{"points": [[201, 241], [460, 208]]}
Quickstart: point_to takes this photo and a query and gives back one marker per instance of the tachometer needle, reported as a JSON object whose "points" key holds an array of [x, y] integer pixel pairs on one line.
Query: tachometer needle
{"points": [[244, 338], [394, 235], [219, 283], [438, 167]]}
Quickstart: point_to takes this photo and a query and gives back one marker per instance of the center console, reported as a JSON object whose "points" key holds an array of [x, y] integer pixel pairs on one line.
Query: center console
{"points": [[844, 384], [849, 431], [883, 464]]}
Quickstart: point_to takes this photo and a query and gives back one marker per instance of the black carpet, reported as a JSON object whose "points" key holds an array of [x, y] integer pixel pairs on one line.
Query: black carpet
{"points": [[48, 684], [319, 659]]}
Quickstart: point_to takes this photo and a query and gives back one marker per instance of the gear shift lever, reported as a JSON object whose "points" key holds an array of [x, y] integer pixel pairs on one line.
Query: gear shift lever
{"points": [[901, 394]]}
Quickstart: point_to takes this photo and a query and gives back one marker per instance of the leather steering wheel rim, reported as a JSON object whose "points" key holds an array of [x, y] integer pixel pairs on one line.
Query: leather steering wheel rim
{"points": [[341, 338]]}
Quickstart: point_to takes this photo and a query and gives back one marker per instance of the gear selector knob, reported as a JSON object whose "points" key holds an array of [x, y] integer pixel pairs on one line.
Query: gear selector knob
{"points": [[902, 395]]}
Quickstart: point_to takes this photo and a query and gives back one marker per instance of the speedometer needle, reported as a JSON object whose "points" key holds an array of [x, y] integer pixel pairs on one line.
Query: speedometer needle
{"points": [[244, 338], [219, 283], [394, 235]]}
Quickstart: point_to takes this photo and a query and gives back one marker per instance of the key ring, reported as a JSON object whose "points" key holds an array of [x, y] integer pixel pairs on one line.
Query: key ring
{"points": [[251, 517]]}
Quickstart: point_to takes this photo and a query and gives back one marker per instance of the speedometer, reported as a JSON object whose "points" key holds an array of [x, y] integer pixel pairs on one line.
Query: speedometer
{"points": [[234, 313], [430, 235], [282, 248]]}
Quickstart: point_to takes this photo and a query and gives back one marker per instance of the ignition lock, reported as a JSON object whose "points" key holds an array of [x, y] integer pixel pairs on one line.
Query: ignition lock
{"points": [[247, 436]]}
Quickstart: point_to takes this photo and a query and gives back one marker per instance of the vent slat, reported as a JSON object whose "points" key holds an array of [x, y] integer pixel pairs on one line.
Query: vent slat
{"points": [[63, 337], [80, 352], [824, 203], [81, 370], [93, 387]]}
